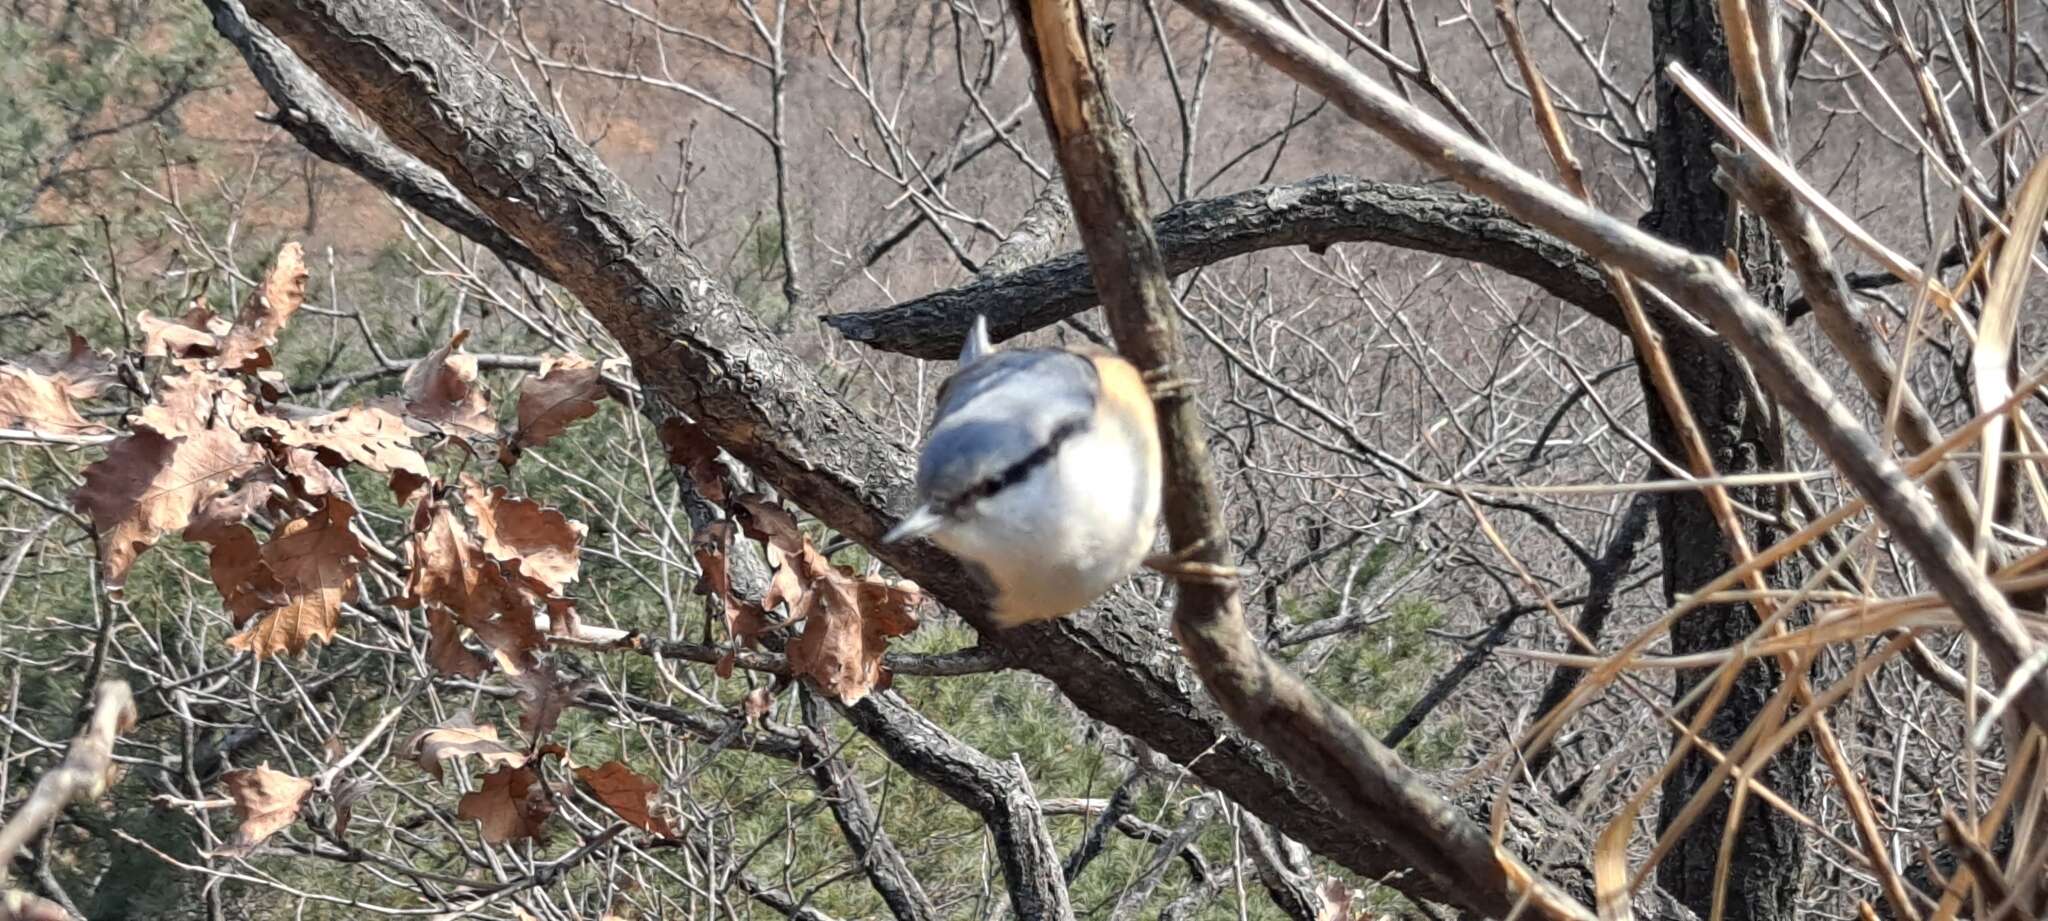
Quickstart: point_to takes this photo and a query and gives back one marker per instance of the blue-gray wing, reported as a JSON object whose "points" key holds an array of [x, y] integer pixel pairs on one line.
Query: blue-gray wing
{"points": [[994, 413]]}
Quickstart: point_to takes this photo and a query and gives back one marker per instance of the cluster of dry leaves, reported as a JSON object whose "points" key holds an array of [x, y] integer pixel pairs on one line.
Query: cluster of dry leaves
{"points": [[217, 455]]}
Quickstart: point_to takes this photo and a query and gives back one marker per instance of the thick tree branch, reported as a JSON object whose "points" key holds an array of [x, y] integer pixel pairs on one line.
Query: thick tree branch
{"points": [[307, 110], [1314, 213], [1697, 282], [82, 773], [884, 865], [1363, 780], [997, 791], [694, 345]]}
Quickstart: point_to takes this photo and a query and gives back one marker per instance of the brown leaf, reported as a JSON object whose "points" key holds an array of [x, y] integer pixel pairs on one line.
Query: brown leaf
{"points": [[566, 389], [266, 801], [449, 569], [197, 334], [149, 484], [199, 401], [511, 805], [246, 584], [542, 698], [366, 435], [81, 371], [255, 491], [848, 630], [542, 541], [711, 545], [627, 794], [458, 738], [345, 798], [793, 562], [247, 345], [441, 390], [512, 641], [314, 559], [39, 403], [310, 477], [689, 448], [771, 524], [445, 651]]}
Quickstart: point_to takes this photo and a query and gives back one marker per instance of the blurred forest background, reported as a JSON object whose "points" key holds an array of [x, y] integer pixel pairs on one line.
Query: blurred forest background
{"points": [[1363, 334]]}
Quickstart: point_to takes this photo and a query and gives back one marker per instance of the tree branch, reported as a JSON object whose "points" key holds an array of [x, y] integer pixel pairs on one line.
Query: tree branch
{"points": [[82, 774], [997, 791], [307, 110], [1697, 282], [1314, 213], [884, 865], [694, 345], [1361, 779]]}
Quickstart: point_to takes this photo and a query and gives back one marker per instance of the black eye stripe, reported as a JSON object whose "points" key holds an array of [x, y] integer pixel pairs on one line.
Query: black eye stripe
{"points": [[1015, 473]]}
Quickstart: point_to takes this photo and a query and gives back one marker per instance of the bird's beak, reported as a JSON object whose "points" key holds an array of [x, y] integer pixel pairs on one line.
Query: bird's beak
{"points": [[920, 522]]}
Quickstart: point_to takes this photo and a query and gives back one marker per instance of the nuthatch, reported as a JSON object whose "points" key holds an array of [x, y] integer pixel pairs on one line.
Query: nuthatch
{"points": [[1042, 468]]}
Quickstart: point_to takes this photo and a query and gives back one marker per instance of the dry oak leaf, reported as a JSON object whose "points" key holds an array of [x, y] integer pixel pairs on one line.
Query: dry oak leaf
{"points": [[441, 390], [314, 559], [83, 372], [566, 389], [197, 334], [235, 561], [771, 524], [627, 794], [711, 545], [445, 651], [745, 621], [447, 568], [149, 485], [311, 478], [542, 698], [253, 491], [198, 401], [458, 738], [39, 403], [689, 448], [847, 630], [270, 305], [266, 801], [345, 798], [543, 542], [365, 435], [511, 805]]}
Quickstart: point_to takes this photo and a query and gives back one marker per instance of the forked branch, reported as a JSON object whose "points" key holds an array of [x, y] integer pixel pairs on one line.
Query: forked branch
{"points": [[1365, 781], [1697, 282]]}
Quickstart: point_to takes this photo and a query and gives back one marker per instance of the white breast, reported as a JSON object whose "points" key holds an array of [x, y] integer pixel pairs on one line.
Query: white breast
{"points": [[1066, 534]]}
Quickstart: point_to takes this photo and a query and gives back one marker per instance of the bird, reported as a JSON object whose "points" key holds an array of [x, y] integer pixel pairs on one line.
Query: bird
{"points": [[1042, 469]]}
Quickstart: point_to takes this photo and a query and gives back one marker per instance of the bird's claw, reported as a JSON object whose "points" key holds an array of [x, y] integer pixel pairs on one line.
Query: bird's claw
{"points": [[1162, 382], [1181, 566]]}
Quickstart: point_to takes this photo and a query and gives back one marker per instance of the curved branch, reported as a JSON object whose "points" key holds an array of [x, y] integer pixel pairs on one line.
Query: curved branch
{"points": [[311, 114], [1362, 780], [1314, 213], [998, 791], [696, 347]]}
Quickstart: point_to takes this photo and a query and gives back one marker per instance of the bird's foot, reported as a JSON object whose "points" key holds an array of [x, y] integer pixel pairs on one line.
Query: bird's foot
{"points": [[1181, 566], [1162, 383]]}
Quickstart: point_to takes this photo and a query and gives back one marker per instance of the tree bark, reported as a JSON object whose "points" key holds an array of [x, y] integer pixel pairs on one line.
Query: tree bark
{"points": [[1687, 208], [701, 350], [1315, 213]]}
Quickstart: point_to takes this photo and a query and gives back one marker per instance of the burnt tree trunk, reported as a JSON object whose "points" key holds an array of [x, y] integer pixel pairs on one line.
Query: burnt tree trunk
{"points": [[1769, 854]]}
